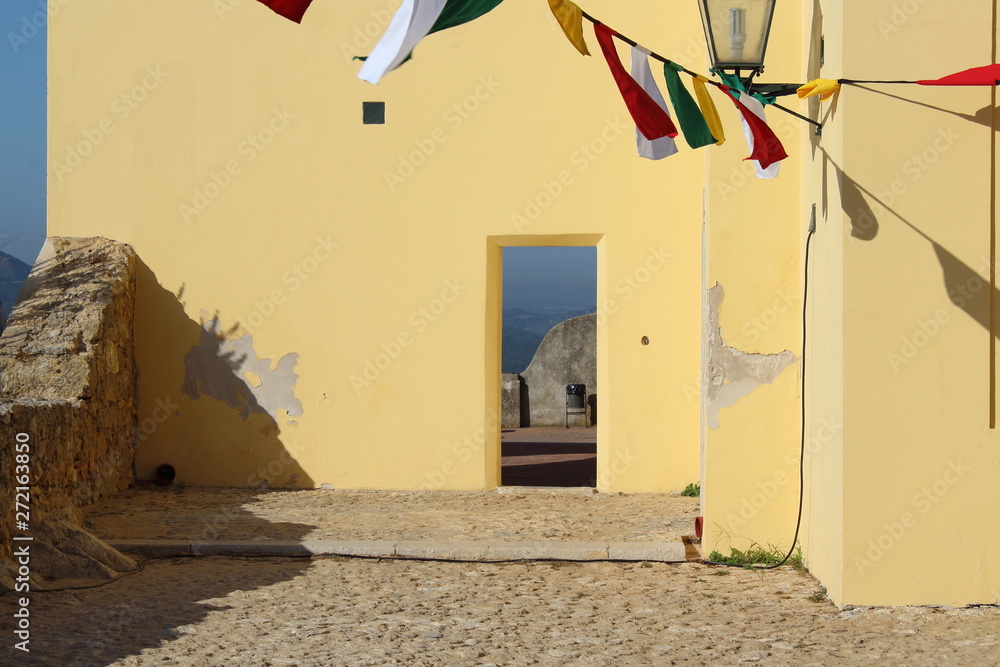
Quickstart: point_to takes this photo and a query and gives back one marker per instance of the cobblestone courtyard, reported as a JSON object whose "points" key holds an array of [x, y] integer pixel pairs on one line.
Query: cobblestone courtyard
{"points": [[334, 611]]}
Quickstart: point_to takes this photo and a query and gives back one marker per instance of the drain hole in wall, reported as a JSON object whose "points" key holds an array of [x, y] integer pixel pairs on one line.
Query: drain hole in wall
{"points": [[165, 474]]}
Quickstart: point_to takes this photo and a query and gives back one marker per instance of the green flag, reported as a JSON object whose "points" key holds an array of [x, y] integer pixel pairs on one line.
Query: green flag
{"points": [[689, 117], [457, 12], [413, 21]]}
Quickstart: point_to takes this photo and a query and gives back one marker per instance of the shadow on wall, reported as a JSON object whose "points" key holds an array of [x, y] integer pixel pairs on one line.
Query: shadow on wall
{"points": [[966, 288], [225, 428], [209, 406], [525, 403]]}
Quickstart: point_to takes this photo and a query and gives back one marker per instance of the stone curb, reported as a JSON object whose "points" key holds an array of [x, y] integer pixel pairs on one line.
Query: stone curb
{"points": [[663, 552]]}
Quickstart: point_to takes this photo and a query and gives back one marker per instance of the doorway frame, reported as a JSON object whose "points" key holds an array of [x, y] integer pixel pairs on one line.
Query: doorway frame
{"points": [[494, 339]]}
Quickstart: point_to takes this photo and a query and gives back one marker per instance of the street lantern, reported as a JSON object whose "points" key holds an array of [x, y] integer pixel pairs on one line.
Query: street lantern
{"points": [[736, 32]]}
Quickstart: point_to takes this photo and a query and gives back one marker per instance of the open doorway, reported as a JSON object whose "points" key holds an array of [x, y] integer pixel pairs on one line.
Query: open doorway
{"points": [[549, 366]]}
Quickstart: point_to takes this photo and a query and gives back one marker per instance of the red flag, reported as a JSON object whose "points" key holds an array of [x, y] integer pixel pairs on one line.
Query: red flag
{"points": [[653, 122], [292, 10], [767, 149], [988, 75]]}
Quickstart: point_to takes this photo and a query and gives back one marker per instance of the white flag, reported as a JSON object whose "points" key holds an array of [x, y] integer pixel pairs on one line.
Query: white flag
{"points": [[656, 149], [409, 25]]}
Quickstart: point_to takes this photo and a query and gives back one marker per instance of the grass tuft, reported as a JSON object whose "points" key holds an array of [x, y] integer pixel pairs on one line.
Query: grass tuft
{"points": [[692, 490], [756, 555]]}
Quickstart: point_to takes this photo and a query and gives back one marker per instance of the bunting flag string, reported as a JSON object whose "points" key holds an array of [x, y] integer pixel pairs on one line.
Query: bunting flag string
{"points": [[652, 121], [987, 75], [765, 147], [655, 129]]}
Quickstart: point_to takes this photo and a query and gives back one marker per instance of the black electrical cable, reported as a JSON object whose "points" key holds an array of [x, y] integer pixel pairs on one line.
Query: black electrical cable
{"points": [[802, 438], [859, 81]]}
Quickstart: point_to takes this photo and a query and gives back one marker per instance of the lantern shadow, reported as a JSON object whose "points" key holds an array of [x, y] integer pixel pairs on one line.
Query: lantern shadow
{"points": [[968, 290]]}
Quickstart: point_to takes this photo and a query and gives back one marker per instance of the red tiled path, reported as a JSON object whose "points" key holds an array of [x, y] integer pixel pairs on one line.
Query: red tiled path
{"points": [[549, 456]]}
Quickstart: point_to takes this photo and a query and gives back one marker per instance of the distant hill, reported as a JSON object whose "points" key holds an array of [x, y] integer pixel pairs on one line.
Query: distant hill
{"points": [[13, 273], [524, 329]]}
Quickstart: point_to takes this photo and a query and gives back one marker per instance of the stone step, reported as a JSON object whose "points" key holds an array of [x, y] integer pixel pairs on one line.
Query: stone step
{"points": [[484, 551]]}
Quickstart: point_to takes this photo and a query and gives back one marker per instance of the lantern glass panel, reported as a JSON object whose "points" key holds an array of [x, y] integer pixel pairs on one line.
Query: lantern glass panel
{"points": [[737, 31]]}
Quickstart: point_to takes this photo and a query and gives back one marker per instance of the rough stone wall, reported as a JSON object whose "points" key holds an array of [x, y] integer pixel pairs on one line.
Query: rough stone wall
{"points": [[68, 386], [567, 355], [510, 412]]}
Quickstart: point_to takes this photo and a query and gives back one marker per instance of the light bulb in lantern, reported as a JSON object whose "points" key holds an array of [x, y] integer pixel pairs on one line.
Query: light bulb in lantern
{"points": [[737, 32]]}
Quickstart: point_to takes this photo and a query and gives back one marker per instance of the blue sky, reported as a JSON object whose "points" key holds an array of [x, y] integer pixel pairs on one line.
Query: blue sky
{"points": [[563, 277], [22, 128]]}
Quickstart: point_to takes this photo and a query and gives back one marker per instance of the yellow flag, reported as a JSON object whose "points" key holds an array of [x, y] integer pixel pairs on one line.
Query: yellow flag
{"points": [[823, 87], [571, 20], [708, 110]]}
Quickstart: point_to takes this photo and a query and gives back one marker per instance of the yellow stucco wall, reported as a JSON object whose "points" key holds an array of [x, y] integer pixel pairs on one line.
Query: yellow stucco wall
{"points": [[823, 502], [226, 145], [920, 460], [755, 229], [901, 461]]}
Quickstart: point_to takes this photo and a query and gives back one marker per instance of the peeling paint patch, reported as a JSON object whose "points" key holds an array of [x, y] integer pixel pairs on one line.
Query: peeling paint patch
{"points": [[231, 372], [731, 374]]}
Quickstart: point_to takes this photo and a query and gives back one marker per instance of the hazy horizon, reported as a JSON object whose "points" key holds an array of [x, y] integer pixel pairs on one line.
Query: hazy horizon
{"points": [[22, 130]]}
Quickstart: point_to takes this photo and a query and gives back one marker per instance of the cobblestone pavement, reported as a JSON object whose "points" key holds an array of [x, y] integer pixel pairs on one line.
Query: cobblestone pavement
{"points": [[331, 611], [508, 515]]}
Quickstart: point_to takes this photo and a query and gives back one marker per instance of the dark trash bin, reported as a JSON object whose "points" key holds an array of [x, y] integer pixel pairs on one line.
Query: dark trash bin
{"points": [[576, 402], [576, 395]]}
